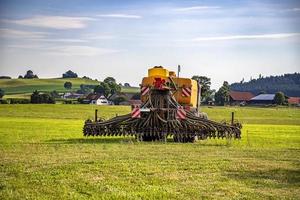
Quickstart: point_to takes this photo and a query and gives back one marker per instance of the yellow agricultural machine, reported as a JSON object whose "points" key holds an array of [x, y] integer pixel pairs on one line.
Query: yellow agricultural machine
{"points": [[169, 109]]}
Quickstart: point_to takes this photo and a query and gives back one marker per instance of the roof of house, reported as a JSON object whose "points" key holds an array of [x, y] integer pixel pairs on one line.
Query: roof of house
{"points": [[264, 97], [122, 94], [241, 96], [93, 96], [72, 94], [294, 100]]}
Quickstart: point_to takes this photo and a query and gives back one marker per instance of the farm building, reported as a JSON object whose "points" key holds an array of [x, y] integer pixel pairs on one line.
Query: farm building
{"points": [[236, 97], [294, 100], [72, 95], [131, 102], [97, 99], [263, 99], [128, 98]]}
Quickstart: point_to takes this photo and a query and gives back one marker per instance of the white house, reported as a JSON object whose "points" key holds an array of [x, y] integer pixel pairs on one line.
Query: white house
{"points": [[97, 99]]}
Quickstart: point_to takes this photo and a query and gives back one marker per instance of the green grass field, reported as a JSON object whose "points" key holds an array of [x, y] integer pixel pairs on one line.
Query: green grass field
{"points": [[43, 155], [23, 88]]}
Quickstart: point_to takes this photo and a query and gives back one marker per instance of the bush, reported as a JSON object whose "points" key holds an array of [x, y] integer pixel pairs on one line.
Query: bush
{"points": [[3, 101], [18, 101], [5, 77], [38, 98], [2, 93], [118, 100], [55, 94], [68, 102], [86, 77]]}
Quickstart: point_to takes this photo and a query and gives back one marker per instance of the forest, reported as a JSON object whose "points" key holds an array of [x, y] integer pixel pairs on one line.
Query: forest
{"points": [[289, 84]]}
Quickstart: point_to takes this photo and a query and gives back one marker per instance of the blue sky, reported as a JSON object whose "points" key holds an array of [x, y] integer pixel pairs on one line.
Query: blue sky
{"points": [[224, 40]]}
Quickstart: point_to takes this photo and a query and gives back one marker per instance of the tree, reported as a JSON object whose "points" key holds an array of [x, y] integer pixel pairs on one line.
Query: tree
{"points": [[205, 85], [126, 84], [29, 75], [20, 76], [103, 88], [85, 89], [114, 87], [222, 95], [2, 93], [70, 74], [68, 85], [109, 80], [279, 98]]}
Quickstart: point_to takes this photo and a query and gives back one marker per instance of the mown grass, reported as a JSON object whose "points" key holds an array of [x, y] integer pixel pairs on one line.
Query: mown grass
{"points": [[45, 156]]}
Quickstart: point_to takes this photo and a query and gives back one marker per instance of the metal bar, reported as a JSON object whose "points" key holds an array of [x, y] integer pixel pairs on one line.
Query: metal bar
{"points": [[96, 115]]}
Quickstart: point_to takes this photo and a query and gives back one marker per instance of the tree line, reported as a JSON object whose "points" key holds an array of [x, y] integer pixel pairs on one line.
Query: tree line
{"points": [[289, 84]]}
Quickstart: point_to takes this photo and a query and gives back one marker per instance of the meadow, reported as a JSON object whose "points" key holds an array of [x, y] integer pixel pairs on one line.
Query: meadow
{"points": [[23, 86], [43, 155]]}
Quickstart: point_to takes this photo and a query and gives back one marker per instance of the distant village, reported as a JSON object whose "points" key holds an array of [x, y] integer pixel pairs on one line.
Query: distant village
{"points": [[247, 98]]}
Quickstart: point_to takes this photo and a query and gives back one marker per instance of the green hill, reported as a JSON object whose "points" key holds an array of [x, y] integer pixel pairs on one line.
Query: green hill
{"points": [[22, 86], [289, 84]]}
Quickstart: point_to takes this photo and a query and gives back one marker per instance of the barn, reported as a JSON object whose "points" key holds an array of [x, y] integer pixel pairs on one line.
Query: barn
{"points": [[236, 98], [263, 99], [294, 100]]}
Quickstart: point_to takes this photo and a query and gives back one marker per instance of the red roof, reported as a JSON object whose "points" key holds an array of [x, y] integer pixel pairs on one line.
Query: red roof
{"points": [[241, 96], [93, 96], [294, 100]]}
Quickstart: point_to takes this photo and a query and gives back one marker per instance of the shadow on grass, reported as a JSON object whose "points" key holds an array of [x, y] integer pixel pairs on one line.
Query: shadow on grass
{"points": [[284, 177], [120, 140], [104, 140], [91, 140]]}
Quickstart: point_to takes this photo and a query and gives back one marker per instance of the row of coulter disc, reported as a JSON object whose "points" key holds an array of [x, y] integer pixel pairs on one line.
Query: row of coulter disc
{"points": [[161, 121]]}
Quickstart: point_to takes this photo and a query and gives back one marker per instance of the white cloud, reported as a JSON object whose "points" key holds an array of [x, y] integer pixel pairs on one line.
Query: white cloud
{"points": [[196, 8], [98, 36], [125, 16], [26, 46], [293, 9], [79, 51], [247, 37], [64, 40], [12, 33], [55, 22]]}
